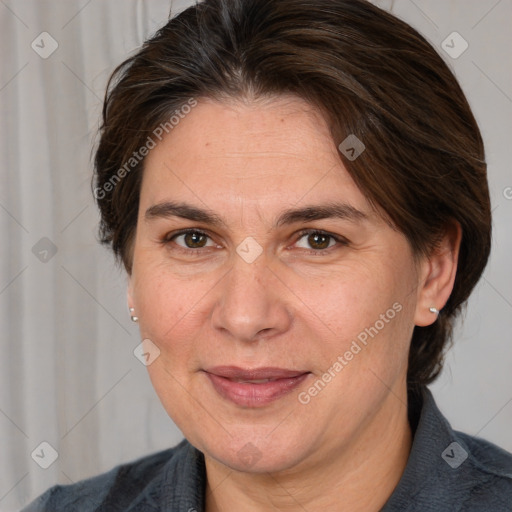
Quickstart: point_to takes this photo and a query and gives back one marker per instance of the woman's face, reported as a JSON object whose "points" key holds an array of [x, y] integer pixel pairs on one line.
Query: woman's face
{"points": [[280, 324]]}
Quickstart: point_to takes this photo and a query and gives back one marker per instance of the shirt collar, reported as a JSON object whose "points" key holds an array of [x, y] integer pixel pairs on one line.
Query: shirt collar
{"points": [[426, 473]]}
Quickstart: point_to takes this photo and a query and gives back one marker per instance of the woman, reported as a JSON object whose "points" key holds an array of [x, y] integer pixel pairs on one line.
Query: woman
{"points": [[297, 190]]}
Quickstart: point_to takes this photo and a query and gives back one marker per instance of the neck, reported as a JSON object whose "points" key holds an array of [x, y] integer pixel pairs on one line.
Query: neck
{"points": [[359, 476]]}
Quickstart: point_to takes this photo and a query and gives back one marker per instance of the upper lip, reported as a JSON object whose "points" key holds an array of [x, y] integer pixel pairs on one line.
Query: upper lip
{"points": [[270, 372]]}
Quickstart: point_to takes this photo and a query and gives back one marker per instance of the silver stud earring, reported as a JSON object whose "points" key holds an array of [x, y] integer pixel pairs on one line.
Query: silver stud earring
{"points": [[434, 310], [133, 317]]}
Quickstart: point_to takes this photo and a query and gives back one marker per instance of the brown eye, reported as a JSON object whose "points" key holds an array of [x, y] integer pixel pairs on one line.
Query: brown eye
{"points": [[318, 241], [191, 240], [194, 239]]}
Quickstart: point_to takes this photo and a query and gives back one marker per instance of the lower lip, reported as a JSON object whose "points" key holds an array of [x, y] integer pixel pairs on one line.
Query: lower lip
{"points": [[255, 395]]}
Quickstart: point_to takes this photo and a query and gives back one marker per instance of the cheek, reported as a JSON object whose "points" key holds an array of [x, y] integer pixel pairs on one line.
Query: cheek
{"points": [[351, 300], [169, 316], [365, 315], [168, 308]]}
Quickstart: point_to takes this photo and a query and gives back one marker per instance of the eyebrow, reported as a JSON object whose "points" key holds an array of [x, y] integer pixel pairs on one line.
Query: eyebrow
{"points": [[308, 213]]}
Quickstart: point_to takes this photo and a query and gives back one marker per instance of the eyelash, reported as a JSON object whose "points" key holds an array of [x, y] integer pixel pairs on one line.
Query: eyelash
{"points": [[190, 251]]}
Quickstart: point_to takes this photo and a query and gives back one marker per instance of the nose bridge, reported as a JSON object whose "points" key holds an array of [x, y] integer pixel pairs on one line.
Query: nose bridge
{"points": [[248, 304]]}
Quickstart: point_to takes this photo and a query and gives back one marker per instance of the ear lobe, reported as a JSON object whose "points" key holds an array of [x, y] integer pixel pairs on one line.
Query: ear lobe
{"points": [[438, 272]]}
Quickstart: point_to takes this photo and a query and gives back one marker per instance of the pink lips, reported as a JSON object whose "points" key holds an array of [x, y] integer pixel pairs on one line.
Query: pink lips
{"points": [[256, 387]]}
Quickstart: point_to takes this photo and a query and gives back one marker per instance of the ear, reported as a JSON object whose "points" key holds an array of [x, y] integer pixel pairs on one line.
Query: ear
{"points": [[437, 275]]}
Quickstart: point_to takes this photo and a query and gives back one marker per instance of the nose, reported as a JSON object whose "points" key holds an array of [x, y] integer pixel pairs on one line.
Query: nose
{"points": [[251, 303]]}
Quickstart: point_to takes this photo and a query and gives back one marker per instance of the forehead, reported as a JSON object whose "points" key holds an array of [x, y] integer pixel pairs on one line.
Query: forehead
{"points": [[267, 152]]}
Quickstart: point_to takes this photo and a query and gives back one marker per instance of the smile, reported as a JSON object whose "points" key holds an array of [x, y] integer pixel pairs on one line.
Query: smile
{"points": [[254, 388]]}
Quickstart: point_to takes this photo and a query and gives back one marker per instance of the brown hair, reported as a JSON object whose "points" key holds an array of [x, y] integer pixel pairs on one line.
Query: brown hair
{"points": [[371, 75]]}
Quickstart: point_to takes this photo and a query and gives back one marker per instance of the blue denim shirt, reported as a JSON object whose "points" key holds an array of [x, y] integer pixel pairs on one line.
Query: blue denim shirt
{"points": [[446, 471]]}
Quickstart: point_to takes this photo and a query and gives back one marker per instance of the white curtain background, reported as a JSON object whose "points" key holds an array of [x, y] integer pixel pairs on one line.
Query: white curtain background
{"points": [[68, 376]]}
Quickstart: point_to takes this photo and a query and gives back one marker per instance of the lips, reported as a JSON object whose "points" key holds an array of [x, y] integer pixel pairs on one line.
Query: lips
{"points": [[254, 387]]}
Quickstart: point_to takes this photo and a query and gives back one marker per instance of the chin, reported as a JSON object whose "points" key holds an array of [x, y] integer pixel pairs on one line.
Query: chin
{"points": [[253, 460], [256, 454]]}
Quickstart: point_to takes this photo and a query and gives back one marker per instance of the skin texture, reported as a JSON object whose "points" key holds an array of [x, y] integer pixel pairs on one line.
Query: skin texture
{"points": [[296, 306]]}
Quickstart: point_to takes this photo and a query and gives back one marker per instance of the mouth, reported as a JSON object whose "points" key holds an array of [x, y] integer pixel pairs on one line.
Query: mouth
{"points": [[254, 387]]}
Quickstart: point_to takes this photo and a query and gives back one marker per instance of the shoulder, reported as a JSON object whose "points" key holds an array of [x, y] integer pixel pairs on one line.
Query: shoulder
{"points": [[475, 473], [488, 470], [488, 457], [450, 471], [122, 485]]}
